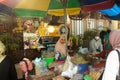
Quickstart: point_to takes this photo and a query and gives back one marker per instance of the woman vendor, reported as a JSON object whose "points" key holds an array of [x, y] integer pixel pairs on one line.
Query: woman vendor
{"points": [[61, 48]]}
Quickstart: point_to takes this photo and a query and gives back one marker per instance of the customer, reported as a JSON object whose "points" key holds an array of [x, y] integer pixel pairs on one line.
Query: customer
{"points": [[61, 48], [112, 62], [96, 44], [107, 47], [7, 68], [102, 34], [107, 44]]}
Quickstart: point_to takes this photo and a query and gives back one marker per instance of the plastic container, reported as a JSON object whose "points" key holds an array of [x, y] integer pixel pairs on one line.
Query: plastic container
{"points": [[82, 68], [49, 60], [87, 77]]}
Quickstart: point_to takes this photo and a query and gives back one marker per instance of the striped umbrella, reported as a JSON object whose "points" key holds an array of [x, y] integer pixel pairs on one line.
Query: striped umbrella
{"points": [[38, 8]]}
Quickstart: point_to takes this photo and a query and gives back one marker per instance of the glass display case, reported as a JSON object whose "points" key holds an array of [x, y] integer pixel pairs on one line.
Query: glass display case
{"points": [[49, 42]]}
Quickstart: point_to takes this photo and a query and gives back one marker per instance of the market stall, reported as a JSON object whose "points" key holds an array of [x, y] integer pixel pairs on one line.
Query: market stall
{"points": [[78, 62]]}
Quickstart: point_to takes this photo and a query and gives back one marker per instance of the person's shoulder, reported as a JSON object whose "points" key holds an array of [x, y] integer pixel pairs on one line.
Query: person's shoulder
{"points": [[8, 59], [113, 53], [92, 40], [99, 39]]}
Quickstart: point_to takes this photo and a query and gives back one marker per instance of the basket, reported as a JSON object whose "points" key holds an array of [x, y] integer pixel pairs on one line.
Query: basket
{"points": [[95, 74]]}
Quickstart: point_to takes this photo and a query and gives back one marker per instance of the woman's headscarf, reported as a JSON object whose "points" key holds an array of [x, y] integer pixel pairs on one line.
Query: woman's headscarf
{"points": [[61, 47], [115, 38], [2, 48]]}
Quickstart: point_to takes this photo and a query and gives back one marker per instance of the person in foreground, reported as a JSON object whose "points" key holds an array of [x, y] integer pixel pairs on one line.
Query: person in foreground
{"points": [[112, 62], [7, 68]]}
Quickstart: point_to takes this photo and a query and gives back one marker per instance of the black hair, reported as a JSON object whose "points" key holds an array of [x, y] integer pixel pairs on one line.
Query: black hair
{"points": [[108, 31]]}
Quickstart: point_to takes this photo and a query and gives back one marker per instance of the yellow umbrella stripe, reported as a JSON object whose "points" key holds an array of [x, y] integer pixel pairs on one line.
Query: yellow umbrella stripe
{"points": [[34, 4], [60, 12]]}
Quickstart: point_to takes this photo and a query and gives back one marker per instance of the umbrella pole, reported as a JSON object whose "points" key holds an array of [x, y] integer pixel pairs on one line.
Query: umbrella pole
{"points": [[65, 16], [65, 23]]}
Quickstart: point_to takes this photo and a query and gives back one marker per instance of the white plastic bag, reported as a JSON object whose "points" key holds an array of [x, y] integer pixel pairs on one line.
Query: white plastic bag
{"points": [[69, 69], [83, 50]]}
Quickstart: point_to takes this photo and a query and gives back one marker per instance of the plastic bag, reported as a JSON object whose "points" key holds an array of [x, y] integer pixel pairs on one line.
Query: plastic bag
{"points": [[40, 66], [37, 66], [69, 69], [27, 67], [83, 50]]}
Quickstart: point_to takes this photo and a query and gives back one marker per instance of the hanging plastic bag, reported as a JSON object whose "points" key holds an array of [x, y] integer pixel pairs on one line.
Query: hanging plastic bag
{"points": [[69, 69]]}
